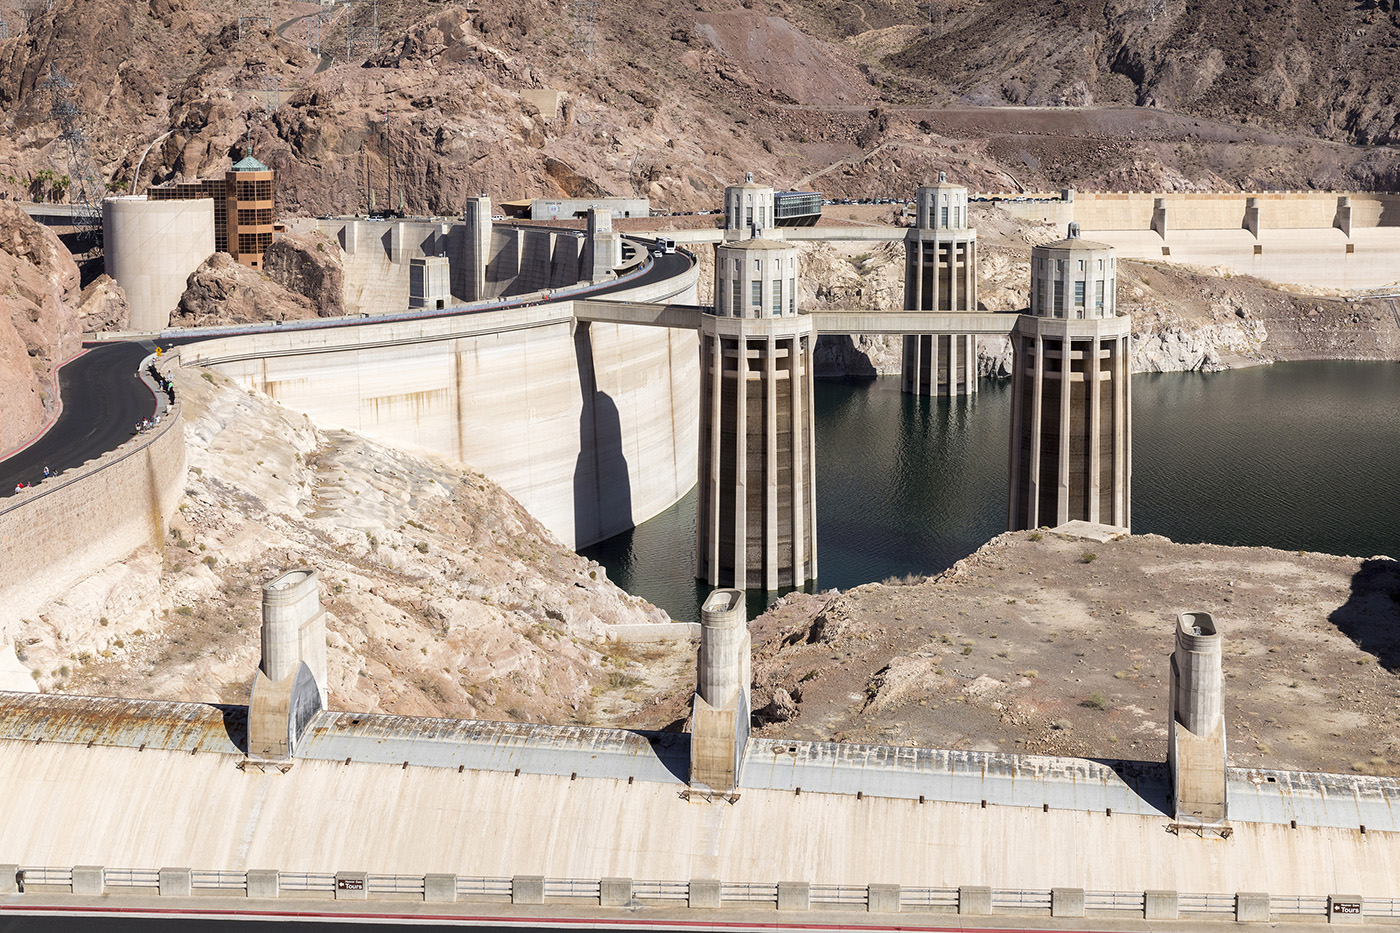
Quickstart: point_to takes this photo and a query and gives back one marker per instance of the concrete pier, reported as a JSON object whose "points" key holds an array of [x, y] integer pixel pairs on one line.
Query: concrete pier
{"points": [[1071, 414], [940, 274], [720, 721], [1196, 731], [757, 509], [289, 687]]}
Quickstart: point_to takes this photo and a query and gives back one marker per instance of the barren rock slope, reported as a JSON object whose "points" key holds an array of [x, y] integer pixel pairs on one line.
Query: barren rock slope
{"points": [[444, 596]]}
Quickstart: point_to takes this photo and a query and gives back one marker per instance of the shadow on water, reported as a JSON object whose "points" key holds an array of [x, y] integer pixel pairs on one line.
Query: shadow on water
{"points": [[602, 485], [1371, 615]]}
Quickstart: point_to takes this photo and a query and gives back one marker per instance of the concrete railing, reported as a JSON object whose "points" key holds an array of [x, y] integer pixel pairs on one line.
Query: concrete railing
{"points": [[697, 893]]}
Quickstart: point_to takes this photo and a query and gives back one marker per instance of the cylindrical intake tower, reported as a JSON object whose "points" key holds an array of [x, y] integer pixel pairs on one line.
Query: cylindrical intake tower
{"points": [[757, 510], [1071, 412], [748, 209], [940, 274]]}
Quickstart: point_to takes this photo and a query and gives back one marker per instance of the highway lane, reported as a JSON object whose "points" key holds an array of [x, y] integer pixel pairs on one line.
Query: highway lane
{"points": [[102, 400]]}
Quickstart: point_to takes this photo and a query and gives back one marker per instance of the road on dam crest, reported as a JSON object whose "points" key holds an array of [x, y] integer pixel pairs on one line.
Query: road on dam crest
{"points": [[102, 401], [103, 398]]}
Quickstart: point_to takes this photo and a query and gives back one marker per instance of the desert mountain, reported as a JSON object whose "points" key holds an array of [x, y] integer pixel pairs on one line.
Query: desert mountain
{"points": [[422, 103]]}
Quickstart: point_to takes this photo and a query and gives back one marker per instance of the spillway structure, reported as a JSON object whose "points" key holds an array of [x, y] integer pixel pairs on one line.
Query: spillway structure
{"points": [[940, 274], [757, 460], [1071, 411]]}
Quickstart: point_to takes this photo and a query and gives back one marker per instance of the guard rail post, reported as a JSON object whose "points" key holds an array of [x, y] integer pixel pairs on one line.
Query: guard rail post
{"points": [[615, 892], [794, 895], [264, 882], [89, 880], [440, 889], [1066, 902], [975, 900], [527, 889], [883, 898], [174, 882], [1159, 905], [704, 893], [1251, 907]]}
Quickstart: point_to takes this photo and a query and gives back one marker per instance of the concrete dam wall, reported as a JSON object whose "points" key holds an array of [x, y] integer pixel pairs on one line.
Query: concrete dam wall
{"points": [[592, 427]]}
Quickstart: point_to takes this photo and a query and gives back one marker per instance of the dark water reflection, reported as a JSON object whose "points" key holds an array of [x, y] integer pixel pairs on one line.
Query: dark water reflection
{"points": [[1295, 456]]}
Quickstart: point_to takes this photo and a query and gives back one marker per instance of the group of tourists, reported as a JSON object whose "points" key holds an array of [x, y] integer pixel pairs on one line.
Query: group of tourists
{"points": [[165, 384]]}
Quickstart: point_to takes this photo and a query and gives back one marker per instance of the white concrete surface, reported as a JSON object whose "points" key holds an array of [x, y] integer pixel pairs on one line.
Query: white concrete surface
{"points": [[151, 247], [97, 806], [592, 429]]}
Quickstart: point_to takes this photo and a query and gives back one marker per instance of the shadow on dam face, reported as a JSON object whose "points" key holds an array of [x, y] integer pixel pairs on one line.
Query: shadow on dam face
{"points": [[602, 485]]}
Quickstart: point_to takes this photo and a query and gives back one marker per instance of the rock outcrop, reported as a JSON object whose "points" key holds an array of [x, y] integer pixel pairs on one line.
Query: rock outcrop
{"points": [[102, 306], [221, 291], [39, 328], [309, 265]]}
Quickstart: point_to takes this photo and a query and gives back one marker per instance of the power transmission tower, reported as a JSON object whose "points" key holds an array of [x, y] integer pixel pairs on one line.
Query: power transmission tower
{"points": [[246, 14], [349, 30], [86, 187], [585, 26]]}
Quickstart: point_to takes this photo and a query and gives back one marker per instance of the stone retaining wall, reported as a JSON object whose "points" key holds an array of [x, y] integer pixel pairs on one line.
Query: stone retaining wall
{"points": [[70, 526]]}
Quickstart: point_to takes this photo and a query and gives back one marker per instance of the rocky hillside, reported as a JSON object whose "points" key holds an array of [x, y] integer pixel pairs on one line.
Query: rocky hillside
{"points": [[40, 312], [444, 596], [444, 100]]}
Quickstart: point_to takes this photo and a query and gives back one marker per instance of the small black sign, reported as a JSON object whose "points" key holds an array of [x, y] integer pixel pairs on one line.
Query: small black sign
{"points": [[1346, 907], [358, 884]]}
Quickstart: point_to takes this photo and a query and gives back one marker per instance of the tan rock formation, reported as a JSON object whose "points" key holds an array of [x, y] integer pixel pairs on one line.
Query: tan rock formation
{"points": [[309, 265], [38, 326], [221, 291]]}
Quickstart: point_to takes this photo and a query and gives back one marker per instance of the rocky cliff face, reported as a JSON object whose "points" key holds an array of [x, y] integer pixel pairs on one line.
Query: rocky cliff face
{"points": [[39, 328], [309, 265], [222, 291]]}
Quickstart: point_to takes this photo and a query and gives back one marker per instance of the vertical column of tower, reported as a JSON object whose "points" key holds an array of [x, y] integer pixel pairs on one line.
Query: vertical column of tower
{"points": [[756, 525], [1071, 431], [940, 275]]}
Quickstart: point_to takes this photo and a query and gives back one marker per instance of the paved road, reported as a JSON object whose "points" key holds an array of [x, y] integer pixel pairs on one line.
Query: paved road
{"points": [[102, 401], [103, 398]]}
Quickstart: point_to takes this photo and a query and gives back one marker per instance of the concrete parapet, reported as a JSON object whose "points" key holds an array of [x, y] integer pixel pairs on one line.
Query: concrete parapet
{"points": [[1159, 905], [794, 895], [439, 889], [1252, 907], [883, 899], [1066, 902], [9, 879], [975, 900], [704, 893], [1346, 908], [615, 892], [351, 886], [175, 882], [527, 889], [88, 880], [264, 883]]}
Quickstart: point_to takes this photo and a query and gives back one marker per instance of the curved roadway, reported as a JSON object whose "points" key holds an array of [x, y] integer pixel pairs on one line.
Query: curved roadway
{"points": [[103, 397]]}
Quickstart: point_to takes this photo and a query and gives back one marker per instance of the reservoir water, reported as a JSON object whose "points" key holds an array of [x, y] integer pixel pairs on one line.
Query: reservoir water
{"points": [[1300, 456]]}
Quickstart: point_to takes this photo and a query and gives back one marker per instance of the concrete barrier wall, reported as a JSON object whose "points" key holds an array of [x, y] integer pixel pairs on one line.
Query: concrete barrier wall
{"points": [[592, 428], [1279, 210], [71, 526], [518, 260], [94, 806]]}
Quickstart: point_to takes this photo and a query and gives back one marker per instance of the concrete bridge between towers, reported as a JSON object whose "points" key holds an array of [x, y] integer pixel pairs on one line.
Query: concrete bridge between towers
{"points": [[897, 323]]}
